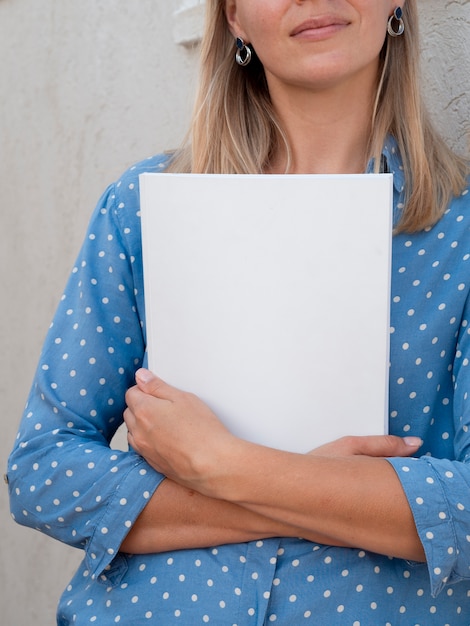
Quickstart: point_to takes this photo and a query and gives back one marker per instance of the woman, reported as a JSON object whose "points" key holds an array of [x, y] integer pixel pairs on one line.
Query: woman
{"points": [[193, 525]]}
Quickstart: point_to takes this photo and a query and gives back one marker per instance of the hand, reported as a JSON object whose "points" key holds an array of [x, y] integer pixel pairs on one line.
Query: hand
{"points": [[374, 446], [175, 431]]}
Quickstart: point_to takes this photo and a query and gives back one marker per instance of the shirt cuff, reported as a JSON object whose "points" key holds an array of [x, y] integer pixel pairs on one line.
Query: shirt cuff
{"points": [[433, 518], [123, 508]]}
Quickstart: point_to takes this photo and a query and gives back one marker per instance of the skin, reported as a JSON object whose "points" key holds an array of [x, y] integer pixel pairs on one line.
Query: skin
{"points": [[322, 83], [220, 489], [343, 493]]}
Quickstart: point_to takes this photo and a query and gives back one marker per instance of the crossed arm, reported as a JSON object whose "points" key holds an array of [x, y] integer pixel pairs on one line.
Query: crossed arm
{"points": [[221, 489]]}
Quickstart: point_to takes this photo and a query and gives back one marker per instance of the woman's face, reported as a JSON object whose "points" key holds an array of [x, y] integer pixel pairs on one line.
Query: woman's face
{"points": [[313, 44]]}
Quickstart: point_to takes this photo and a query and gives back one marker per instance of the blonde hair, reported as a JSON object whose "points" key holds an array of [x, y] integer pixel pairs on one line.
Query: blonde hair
{"points": [[234, 129]]}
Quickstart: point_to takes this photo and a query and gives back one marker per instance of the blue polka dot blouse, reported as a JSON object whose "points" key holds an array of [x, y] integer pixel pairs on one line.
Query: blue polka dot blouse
{"points": [[67, 482]]}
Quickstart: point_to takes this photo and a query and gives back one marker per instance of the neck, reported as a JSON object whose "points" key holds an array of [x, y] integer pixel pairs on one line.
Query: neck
{"points": [[328, 131]]}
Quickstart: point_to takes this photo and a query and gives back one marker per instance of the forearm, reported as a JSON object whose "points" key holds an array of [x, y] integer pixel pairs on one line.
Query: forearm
{"points": [[356, 500], [178, 518], [345, 490]]}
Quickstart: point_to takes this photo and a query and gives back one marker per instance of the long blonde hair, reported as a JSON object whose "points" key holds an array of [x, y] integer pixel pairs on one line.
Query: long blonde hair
{"points": [[234, 129]]}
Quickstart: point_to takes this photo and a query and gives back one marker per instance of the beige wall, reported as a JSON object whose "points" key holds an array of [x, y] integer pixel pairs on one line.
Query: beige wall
{"points": [[87, 88]]}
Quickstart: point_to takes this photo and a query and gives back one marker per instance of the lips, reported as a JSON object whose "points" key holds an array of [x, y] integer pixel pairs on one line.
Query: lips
{"points": [[318, 23]]}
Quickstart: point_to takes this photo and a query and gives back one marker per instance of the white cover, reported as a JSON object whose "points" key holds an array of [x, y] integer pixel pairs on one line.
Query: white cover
{"points": [[268, 297]]}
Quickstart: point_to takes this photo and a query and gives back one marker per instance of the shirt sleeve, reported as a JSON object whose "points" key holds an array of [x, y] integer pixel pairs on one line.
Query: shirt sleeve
{"points": [[64, 478], [438, 489]]}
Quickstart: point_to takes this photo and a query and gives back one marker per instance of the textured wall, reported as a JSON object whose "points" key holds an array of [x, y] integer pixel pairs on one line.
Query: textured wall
{"points": [[87, 88], [445, 36]]}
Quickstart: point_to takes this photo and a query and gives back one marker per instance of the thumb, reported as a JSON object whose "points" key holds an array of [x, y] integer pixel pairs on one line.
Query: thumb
{"points": [[149, 383]]}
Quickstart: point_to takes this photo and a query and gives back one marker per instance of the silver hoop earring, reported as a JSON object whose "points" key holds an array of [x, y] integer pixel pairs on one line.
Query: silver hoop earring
{"points": [[397, 16], [243, 55]]}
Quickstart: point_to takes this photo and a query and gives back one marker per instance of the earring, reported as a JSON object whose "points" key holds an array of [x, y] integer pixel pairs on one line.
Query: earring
{"points": [[243, 55], [398, 17]]}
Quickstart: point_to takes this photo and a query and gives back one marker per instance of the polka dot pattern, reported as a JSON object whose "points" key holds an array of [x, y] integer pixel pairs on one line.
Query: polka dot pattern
{"points": [[66, 481]]}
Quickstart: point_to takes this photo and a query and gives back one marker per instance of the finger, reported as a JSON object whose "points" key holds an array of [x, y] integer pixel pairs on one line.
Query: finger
{"points": [[129, 419], [385, 445], [374, 445], [134, 397], [151, 384], [130, 441]]}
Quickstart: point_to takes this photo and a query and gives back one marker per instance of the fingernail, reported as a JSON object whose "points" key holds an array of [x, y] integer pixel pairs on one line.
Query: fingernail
{"points": [[144, 375], [415, 442]]}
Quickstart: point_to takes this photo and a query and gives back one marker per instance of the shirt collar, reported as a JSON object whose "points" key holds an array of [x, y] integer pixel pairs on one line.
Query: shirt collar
{"points": [[392, 163]]}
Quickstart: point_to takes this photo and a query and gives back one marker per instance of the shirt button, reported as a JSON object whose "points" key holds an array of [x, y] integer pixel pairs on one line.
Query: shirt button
{"points": [[5, 479]]}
